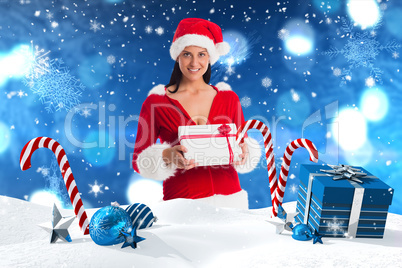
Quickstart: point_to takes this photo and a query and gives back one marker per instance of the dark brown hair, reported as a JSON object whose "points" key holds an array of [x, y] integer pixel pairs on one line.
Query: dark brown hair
{"points": [[176, 76]]}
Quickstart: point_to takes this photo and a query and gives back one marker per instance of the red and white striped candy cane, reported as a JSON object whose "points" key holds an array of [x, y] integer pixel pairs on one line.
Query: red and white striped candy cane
{"points": [[287, 157], [277, 188], [269, 151], [45, 142]]}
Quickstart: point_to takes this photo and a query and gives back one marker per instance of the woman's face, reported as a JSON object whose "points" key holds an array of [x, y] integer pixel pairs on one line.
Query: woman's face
{"points": [[193, 62]]}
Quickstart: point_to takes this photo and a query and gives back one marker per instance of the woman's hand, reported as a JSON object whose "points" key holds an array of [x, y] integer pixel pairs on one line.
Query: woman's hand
{"points": [[243, 155], [175, 155]]}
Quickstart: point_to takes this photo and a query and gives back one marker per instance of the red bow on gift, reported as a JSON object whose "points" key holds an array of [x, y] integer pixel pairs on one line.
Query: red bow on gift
{"points": [[225, 130]]}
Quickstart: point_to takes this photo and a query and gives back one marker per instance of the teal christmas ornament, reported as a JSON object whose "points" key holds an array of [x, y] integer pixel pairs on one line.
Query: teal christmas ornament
{"points": [[141, 215], [108, 224], [302, 232]]}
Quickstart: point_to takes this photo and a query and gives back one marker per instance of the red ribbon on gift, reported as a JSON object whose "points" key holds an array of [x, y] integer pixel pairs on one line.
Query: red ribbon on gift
{"points": [[224, 130]]}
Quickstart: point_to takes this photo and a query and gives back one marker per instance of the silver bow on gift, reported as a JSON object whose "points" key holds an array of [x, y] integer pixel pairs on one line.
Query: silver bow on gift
{"points": [[341, 172]]}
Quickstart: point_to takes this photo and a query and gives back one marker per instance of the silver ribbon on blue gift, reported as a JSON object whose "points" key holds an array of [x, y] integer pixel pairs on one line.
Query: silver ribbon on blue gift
{"points": [[352, 175]]}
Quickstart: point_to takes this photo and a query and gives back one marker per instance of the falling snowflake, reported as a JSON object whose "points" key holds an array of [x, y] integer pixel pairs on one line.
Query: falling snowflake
{"points": [[395, 55], [159, 30], [293, 188], [94, 26], [370, 82], [337, 72], [86, 112], [295, 96], [54, 84], [245, 102], [111, 59], [148, 29], [283, 34], [266, 82], [361, 50], [95, 188], [230, 70]]}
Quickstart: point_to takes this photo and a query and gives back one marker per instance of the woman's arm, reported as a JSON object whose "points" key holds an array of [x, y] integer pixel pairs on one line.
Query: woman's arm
{"points": [[147, 157]]}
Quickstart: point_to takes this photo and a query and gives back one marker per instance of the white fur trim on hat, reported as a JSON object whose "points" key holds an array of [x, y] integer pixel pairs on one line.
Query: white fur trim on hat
{"points": [[200, 41], [151, 165], [222, 86], [236, 200], [254, 156], [158, 90]]}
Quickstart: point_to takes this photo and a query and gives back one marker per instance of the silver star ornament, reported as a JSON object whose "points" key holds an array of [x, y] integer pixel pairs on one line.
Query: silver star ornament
{"points": [[58, 227]]}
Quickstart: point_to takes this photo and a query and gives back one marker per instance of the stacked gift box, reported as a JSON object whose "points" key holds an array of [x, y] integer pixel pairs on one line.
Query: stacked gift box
{"points": [[349, 206]]}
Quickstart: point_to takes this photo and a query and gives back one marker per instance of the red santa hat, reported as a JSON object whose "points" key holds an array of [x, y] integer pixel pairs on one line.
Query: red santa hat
{"points": [[201, 33]]}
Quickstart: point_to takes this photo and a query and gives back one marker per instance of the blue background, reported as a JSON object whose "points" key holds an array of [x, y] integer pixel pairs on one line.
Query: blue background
{"points": [[114, 52]]}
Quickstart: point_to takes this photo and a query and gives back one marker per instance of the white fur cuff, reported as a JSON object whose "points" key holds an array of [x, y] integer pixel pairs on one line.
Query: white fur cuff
{"points": [[151, 165], [254, 156]]}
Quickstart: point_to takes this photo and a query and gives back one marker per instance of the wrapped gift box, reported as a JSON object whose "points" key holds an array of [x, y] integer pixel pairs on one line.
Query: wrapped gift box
{"points": [[210, 145], [342, 207]]}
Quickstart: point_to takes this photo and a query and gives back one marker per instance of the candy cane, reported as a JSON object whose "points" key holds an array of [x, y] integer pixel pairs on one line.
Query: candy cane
{"points": [[45, 142], [277, 188], [269, 151], [287, 157]]}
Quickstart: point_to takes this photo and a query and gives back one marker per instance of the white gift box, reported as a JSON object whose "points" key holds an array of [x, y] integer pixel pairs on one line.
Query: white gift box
{"points": [[208, 145]]}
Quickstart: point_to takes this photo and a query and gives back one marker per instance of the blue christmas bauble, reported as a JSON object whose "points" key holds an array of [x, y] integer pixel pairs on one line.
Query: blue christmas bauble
{"points": [[141, 215], [302, 232], [107, 224]]}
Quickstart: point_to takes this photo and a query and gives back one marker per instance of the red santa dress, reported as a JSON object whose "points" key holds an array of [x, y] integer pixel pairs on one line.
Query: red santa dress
{"points": [[160, 117]]}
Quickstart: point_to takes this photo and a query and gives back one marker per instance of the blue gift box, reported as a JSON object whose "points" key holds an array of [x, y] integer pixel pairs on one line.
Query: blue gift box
{"points": [[342, 208]]}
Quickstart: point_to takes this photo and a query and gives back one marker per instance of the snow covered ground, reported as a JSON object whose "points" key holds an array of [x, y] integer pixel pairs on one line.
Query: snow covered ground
{"points": [[188, 234]]}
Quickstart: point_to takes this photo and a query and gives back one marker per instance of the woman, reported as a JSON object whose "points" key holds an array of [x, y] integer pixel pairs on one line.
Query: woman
{"points": [[188, 99]]}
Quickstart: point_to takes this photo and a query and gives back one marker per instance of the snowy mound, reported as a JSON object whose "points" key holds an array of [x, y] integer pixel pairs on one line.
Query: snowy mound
{"points": [[188, 234]]}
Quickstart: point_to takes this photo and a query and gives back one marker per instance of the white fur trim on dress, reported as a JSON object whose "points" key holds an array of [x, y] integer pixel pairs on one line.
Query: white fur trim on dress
{"points": [[151, 165], [194, 40], [222, 86], [254, 156], [158, 90], [236, 200]]}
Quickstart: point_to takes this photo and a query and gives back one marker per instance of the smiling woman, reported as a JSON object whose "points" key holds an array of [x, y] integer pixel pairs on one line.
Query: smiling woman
{"points": [[188, 99]]}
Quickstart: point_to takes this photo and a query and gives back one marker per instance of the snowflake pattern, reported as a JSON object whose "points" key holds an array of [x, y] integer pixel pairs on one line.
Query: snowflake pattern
{"points": [[159, 30], [361, 50], [245, 102], [336, 226], [94, 26], [100, 226], [56, 88], [54, 181], [266, 82]]}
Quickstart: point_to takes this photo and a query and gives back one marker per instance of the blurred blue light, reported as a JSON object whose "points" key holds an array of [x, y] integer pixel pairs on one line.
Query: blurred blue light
{"points": [[16, 63], [327, 5], [94, 71], [103, 154], [361, 157], [45, 198], [374, 104], [351, 129], [300, 40], [4, 137], [144, 190], [393, 20], [365, 13], [299, 45], [295, 106], [239, 48]]}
